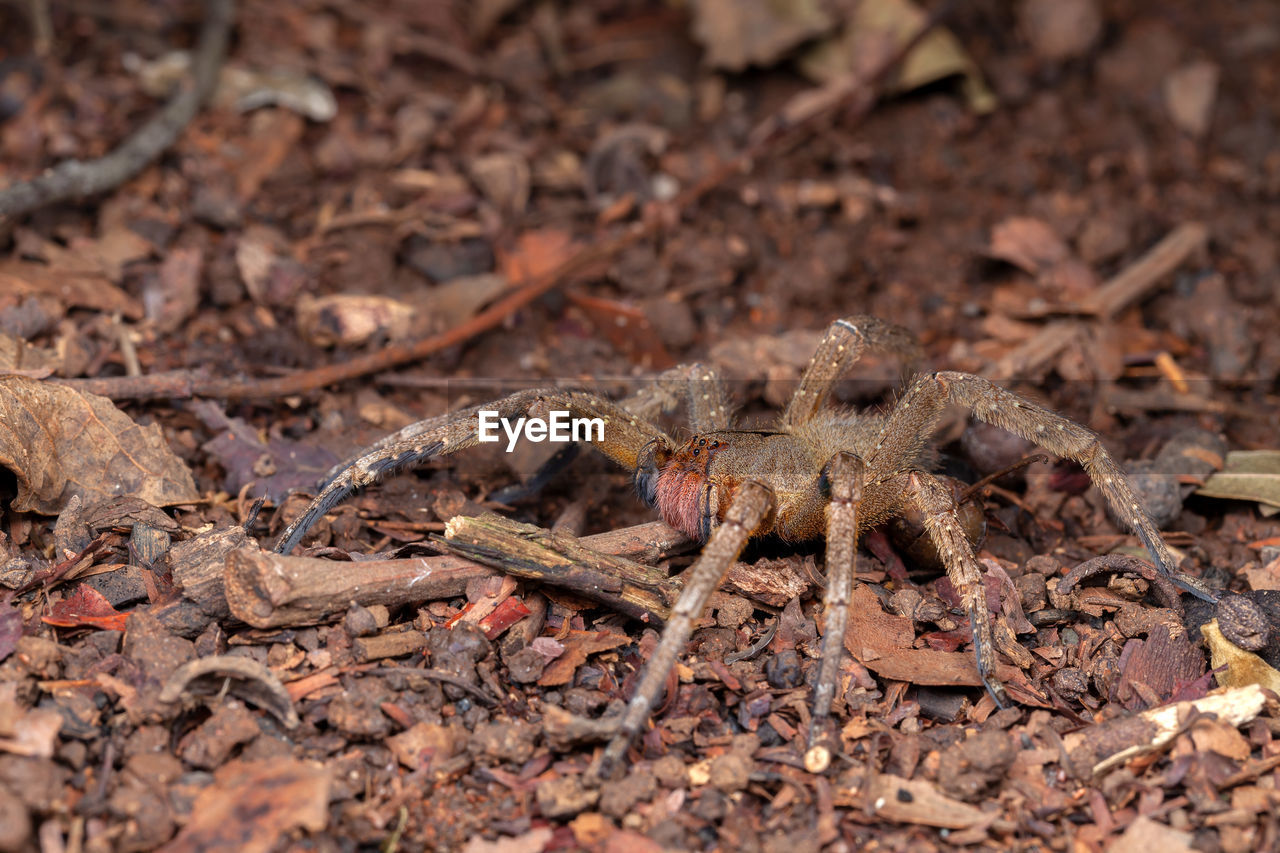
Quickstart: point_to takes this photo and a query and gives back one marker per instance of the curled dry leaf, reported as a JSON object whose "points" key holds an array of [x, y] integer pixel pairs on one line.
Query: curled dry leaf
{"points": [[246, 678], [61, 442], [1234, 666], [878, 27]]}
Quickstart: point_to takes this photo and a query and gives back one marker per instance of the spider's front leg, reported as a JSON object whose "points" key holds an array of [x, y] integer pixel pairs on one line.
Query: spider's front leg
{"points": [[844, 343], [844, 474], [698, 386], [917, 412], [624, 437], [942, 523], [748, 513]]}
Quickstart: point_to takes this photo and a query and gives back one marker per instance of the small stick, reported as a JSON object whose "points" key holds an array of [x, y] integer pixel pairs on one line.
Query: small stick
{"points": [[1105, 746], [1133, 283], [73, 179], [268, 590], [527, 551]]}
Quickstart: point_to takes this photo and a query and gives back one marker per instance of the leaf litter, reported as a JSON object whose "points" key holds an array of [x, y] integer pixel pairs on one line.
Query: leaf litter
{"points": [[445, 191]]}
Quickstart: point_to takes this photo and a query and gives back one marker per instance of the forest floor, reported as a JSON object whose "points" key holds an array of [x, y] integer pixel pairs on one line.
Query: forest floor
{"points": [[406, 208]]}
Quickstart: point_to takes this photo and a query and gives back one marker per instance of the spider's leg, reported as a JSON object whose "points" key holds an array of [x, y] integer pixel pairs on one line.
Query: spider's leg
{"points": [[917, 412], [752, 503], [845, 474], [624, 436], [844, 343], [942, 523], [699, 385]]}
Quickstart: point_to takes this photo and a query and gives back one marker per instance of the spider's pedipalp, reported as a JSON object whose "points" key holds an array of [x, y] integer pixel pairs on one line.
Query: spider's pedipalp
{"points": [[338, 487], [624, 436], [748, 513]]}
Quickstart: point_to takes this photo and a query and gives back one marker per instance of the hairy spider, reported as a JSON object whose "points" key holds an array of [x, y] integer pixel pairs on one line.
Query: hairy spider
{"points": [[819, 471]]}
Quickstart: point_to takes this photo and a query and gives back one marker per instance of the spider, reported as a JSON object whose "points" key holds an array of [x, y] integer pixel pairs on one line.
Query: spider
{"points": [[819, 471]]}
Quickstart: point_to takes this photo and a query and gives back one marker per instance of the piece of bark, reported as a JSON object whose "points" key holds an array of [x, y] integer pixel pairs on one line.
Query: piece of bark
{"points": [[197, 566], [269, 590], [393, 644], [531, 552]]}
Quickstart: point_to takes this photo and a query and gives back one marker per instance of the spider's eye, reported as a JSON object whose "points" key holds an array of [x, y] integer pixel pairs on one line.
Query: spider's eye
{"points": [[697, 450]]}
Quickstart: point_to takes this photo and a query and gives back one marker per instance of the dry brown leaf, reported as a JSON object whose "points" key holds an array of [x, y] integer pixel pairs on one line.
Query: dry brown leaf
{"points": [[1235, 667], [875, 30], [577, 645], [1145, 834], [1028, 243], [917, 801], [251, 805], [62, 442], [738, 33], [18, 356], [175, 293], [452, 303], [535, 254], [75, 289]]}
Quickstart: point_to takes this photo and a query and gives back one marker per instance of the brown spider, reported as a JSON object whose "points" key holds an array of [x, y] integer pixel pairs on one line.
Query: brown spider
{"points": [[819, 471]]}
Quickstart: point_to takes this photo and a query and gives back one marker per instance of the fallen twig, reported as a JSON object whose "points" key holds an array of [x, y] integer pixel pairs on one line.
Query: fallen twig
{"points": [[1131, 284], [268, 590], [530, 552], [74, 179], [1095, 750]]}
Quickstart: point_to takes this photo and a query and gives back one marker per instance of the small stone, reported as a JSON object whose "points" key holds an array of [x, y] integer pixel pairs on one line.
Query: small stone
{"points": [[564, 796]]}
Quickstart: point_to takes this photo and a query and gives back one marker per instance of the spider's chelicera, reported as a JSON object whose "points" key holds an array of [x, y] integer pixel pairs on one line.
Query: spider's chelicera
{"points": [[819, 471]]}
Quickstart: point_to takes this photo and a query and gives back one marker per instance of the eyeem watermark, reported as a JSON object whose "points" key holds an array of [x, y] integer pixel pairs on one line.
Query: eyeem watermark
{"points": [[558, 427]]}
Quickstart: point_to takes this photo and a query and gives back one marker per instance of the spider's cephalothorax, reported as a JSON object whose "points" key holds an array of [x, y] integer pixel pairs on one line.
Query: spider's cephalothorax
{"points": [[819, 471]]}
